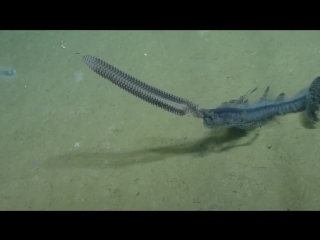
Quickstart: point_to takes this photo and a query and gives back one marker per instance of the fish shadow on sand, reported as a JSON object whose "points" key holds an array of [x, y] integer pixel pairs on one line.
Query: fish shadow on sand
{"points": [[104, 158]]}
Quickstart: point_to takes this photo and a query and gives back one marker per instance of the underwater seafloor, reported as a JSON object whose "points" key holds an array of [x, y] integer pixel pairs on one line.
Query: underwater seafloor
{"points": [[71, 140]]}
